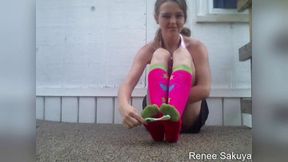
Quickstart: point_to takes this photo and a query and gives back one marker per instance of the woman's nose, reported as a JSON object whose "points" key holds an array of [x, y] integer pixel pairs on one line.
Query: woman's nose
{"points": [[173, 19]]}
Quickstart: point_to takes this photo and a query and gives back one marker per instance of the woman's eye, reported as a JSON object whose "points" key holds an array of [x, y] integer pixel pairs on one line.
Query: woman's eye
{"points": [[179, 16], [166, 16]]}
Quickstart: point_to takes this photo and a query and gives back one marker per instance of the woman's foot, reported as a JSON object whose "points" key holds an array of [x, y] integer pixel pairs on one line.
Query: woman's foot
{"points": [[150, 111], [172, 127], [156, 129], [168, 109]]}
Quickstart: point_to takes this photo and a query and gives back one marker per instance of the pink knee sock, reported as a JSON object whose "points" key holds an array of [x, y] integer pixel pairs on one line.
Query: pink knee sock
{"points": [[157, 87], [158, 84], [180, 86], [156, 129]]}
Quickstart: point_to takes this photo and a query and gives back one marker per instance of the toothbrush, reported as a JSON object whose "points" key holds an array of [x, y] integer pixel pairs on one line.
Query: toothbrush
{"points": [[164, 117]]}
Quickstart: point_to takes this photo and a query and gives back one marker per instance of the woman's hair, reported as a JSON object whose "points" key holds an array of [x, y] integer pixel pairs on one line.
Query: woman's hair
{"points": [[186, 32], [182, 4]]}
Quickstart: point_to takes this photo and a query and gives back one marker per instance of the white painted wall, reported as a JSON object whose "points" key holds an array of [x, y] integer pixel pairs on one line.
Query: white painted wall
{"points": [[87, 43], [91, 43], [85, 49], [222, 111]]}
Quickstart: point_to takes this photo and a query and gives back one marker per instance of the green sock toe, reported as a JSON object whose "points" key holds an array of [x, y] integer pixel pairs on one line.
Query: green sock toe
{"points": [[167, 109], [150, 111]]}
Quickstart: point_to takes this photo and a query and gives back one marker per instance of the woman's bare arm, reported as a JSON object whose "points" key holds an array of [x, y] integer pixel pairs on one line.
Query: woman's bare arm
{"points": [[131, 117], [203, 74]]}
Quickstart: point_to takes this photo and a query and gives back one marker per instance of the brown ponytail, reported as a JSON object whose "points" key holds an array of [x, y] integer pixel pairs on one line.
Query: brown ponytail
{"points": [[186, 32], [157, 42]]}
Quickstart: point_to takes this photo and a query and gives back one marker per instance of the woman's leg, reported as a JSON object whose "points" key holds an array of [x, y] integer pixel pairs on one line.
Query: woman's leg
{"points": [[180, 85], [190, 116], [181, 79], [157, 88], [195, 116], [158, 80], [158, 77]]}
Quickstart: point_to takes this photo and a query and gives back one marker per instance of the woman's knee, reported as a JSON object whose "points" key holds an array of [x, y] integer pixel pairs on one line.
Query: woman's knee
{"points": [[160, 56], [182, 57]]}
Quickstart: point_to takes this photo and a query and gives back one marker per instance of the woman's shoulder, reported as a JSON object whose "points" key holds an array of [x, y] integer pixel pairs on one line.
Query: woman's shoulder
{"points": [[193, 43], [195, 46], [146, 52], [148, 48]]}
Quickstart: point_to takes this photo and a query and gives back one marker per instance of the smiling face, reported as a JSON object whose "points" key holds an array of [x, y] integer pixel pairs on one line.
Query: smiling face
{"points": [[170, 17]]}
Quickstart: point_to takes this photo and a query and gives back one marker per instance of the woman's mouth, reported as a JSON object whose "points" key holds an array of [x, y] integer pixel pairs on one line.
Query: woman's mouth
{"points": [[172, 28]]}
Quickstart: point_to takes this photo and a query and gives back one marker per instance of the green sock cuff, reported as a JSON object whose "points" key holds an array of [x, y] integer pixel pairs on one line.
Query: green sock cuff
{"points": [[157, 66], [184, 68]]}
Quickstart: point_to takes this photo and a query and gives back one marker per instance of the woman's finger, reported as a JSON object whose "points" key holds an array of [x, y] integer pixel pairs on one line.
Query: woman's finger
{"points": [[139, 118], [130, 122], [134, 122]]}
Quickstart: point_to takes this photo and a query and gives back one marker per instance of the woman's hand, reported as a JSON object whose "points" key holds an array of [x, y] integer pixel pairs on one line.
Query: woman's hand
{"points": [[131, 117]]}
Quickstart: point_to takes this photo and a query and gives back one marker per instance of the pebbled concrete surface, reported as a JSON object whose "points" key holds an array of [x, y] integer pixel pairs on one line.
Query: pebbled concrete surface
{"points": [[107, 142]]}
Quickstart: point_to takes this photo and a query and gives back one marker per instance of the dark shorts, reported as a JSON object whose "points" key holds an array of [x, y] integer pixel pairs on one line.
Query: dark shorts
{"points": [[200, 121]]}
